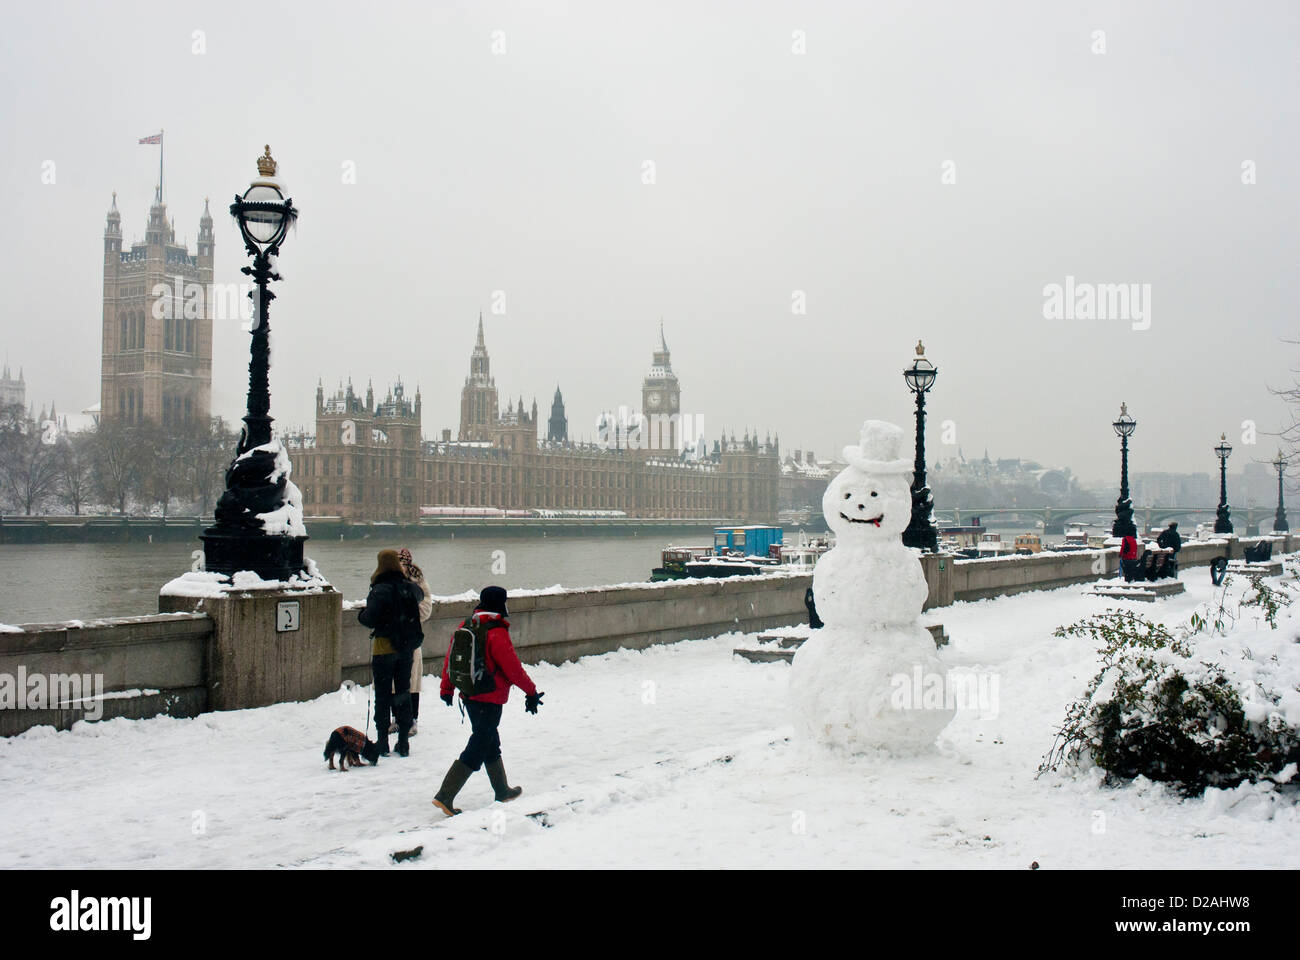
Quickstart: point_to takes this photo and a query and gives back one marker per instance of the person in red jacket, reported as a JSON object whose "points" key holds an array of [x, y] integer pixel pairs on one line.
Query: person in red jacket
{"points": [[1128, 557], [484, 747]]}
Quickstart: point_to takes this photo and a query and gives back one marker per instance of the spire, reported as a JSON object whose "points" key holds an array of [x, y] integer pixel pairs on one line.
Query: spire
{"points": [[663, 344], [479, 343]]}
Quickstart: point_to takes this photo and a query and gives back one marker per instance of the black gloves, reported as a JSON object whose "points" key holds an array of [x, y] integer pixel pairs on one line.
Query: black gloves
{"points": [[447, 698], [532, 701]]}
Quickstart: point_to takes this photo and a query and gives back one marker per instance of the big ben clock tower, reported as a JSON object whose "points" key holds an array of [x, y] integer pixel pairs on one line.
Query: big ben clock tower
{"points": [[661, 402]]}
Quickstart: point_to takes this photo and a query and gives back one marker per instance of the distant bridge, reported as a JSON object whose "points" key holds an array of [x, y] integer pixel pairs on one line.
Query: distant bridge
{"points": [[1055, 518]]}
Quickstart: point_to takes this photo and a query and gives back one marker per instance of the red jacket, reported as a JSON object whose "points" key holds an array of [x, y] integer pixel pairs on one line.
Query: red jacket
{"points": [[502, 662], [1128, 548]]}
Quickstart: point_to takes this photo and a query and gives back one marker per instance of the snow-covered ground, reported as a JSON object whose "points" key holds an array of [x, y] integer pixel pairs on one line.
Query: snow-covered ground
{"points": [[676, 756]]}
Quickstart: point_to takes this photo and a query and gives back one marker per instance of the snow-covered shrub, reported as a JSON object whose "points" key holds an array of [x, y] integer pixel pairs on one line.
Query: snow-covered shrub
{"points": [[1158, 710]]}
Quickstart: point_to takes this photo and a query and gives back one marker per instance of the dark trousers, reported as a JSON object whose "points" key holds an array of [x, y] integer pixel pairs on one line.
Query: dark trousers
{"points": [[1131, 569], [484, 742], [392, 674]]}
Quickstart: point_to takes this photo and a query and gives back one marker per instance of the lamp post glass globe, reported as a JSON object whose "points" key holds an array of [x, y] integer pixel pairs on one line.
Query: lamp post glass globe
{"points": [[262, 214], [1224, 449], [1125, 425], [920, 375]]}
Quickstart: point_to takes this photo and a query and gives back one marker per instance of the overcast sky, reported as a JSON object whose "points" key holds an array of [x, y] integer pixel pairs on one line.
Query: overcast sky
{"points": [[522, 169]]}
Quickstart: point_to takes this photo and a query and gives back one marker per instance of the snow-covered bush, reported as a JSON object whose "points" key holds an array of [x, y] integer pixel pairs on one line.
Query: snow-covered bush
{"points": [[1158, 708]]}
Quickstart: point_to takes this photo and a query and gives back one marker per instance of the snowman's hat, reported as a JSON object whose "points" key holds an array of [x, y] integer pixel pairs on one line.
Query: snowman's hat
{"points": [[878, 449]]}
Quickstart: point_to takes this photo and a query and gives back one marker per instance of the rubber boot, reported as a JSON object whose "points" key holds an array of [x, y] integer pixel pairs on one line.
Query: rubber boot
{"points": [[402, 710], [496, 772], [445, 798]]}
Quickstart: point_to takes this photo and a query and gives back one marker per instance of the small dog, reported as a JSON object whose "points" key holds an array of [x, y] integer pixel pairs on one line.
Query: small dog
{"points": [[350, 744]]}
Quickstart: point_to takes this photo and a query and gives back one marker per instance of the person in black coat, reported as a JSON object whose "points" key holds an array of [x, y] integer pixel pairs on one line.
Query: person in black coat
{"points": [[1170, 539], [392, 612]]}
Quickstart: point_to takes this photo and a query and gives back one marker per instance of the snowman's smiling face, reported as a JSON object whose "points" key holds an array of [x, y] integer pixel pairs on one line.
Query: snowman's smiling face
{"points": [[859, 506]]}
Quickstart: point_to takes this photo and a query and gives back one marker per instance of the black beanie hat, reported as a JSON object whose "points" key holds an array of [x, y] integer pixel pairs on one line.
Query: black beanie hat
{"points": [[493, 600]]}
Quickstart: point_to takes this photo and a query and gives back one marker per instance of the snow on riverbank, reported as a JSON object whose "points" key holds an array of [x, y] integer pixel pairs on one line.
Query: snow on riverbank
{"points": [[676, 756]]}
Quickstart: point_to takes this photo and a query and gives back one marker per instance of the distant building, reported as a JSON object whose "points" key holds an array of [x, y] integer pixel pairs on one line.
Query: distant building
{"points": [[368, 461], [557, 428], [156, 355], [13, 390], [803, 482]]}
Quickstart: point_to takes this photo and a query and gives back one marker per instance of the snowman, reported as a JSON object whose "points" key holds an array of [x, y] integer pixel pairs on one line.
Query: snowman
{"points": [[850, 680]]}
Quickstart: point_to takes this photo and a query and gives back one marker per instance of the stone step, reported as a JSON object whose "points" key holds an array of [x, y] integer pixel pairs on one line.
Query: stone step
{"points": [[776, 646], [1270, 568], [1147, 592]]}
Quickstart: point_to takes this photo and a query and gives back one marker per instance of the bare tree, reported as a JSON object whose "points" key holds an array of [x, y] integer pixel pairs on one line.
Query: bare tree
{"points": [[116, 463], [164, 468], [210, 447], [75, 481], [28, 465]]}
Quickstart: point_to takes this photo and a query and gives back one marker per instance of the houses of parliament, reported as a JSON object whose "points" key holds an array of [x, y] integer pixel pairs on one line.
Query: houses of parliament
{"points": [[369, 461]]}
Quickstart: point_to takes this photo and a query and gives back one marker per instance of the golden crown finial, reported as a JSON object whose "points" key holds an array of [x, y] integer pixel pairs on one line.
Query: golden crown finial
{"points": [[920, 349], [266, 164]]}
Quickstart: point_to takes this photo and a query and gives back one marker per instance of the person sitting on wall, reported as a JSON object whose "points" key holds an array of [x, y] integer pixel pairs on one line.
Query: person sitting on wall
{"points": [[1170, 539], [1151, 564]]}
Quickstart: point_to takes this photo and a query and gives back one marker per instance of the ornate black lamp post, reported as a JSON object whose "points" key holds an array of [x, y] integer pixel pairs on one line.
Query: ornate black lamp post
{"points": [[1123, 525], [238, 540], [920, 530], [1222, 522], [1279, 519]]}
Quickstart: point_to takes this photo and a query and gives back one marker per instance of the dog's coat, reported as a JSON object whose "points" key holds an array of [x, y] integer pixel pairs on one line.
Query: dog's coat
{"points": [[350, 744]]}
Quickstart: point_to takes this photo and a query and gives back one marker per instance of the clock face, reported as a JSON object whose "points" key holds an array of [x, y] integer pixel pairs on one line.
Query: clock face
{"points": [[652, 399], [672, 401]]}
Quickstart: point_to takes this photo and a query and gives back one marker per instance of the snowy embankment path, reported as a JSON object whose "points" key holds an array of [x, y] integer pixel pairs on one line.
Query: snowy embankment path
{"points": [[676, 756]]}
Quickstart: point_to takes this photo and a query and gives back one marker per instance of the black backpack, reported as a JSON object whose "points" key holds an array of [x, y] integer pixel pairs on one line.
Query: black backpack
{"points": [[402, 629], [406, 628], [467, 660]]}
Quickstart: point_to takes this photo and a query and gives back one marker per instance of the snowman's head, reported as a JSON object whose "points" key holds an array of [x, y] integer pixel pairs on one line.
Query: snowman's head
{"points": [[871, 499]]}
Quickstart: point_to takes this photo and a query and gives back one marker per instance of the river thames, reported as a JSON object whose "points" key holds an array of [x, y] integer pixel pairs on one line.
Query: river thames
{"points": [[50, 582]]}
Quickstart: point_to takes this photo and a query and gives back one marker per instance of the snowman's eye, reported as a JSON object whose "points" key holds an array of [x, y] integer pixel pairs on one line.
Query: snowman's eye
{"points": [[847, 495], [873, 493]]}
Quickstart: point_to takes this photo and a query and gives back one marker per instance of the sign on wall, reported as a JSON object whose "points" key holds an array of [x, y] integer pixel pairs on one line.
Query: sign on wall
{"points": [[286, 616]]}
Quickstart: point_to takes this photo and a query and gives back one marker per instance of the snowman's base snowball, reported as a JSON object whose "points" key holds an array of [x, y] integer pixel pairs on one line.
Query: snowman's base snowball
{"points": [[855, 691]]}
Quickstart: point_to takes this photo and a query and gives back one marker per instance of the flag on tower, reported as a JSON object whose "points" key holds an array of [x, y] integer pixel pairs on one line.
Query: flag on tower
{"points": [[157, 138]]}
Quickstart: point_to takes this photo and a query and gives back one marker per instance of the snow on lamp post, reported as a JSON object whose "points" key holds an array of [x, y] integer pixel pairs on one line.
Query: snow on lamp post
{"points": [[1222, 521], [1279, 519], [920, 531], [259, 516], [1123, 525]]}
